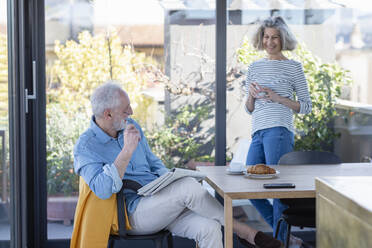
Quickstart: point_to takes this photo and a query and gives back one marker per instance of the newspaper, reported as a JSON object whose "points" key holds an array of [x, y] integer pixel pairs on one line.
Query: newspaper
{"points": [[169, 177]]}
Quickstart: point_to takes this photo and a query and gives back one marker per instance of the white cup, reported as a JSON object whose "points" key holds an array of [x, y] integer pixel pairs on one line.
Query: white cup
{"points": [[236, 166], [261, 94]]}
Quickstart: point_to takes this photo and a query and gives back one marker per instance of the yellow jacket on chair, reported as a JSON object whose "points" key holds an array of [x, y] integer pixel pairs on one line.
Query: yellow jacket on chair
{"points": [[95, 219]]}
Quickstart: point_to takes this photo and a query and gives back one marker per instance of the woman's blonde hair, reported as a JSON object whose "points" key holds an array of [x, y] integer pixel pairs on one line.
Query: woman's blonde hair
{"points": [[288, 40]]}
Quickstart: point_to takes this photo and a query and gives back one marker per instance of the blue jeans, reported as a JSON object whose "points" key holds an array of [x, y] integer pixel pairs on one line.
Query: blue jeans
{"points": [[267, 146]]}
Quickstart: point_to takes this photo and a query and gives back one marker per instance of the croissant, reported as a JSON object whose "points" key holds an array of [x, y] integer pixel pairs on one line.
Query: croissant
{"points": [[261, 169]]}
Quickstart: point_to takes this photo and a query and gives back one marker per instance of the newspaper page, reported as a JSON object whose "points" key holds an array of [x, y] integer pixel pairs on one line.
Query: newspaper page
{"points": [[167, 178], [154, 184]]}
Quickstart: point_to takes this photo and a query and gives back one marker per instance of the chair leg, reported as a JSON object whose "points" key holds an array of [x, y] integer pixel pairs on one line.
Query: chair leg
{"points": [[278, 227], [158, 242], [111, 243], [170, 240], [288, 235]]}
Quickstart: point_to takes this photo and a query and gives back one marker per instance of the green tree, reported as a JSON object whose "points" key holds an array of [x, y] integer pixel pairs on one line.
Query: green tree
{"points": [[314, 131], [3, 82], [4, 95], [62, 133], [179, 139], [82, 66]]}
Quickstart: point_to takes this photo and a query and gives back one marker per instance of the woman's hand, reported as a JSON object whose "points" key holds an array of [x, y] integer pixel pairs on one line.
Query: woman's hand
{"points": [[270, 95], [255, 90]]}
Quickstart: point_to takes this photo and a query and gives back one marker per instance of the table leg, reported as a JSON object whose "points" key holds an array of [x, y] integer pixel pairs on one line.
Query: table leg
{"points": [[228, 221]]}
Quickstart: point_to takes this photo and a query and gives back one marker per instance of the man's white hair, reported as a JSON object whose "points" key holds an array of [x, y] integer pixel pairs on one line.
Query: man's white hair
{"points": [[106, 96]]}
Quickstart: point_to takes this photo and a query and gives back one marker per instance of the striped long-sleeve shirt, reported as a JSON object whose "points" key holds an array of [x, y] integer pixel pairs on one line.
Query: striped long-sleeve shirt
{"points": [[284, 77]]}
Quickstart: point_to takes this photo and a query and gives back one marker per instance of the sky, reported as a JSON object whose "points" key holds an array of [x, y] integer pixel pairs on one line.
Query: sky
{"points": [[364, 4], [151, 12], [128, 12]]}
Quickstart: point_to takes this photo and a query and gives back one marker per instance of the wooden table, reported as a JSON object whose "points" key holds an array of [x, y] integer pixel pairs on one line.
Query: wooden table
{"points": [[232, 187]]}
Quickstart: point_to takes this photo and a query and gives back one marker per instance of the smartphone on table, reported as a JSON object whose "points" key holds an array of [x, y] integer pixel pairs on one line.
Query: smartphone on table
{"points": [[279, 185]]}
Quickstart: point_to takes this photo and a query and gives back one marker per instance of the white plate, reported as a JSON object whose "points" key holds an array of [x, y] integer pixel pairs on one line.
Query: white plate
{"points": [[228, 171], [261, 176]]}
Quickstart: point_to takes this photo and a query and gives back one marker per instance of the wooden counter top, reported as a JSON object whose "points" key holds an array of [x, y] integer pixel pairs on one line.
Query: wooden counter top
{"points": [[344, 211]]}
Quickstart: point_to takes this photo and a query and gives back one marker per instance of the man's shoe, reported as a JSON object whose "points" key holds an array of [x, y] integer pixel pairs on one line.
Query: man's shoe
{"points": [[265, 241], [246, 243]]}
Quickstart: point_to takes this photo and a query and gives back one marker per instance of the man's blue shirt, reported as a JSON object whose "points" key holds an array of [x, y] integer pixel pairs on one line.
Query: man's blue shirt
{"points": [[94, 156]]}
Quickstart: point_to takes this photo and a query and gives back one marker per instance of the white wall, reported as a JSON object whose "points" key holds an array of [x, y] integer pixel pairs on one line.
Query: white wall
{"points": [[359, 62]]}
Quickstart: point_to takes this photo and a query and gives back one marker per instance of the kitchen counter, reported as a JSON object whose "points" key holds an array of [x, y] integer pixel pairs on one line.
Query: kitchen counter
{"points": [[344, 211]]}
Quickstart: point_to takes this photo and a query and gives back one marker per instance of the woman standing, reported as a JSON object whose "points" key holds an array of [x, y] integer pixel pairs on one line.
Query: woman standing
{"points": [[270, 86]]}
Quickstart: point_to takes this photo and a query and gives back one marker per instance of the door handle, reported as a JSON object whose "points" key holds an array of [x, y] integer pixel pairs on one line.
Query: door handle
{"points": [[33, 96]]}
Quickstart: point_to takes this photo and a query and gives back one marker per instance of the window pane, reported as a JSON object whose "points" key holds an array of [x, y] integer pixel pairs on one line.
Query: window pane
{"points": [[190, 65], [169, 45], [334, 48], [4, 127], [353, 52]]}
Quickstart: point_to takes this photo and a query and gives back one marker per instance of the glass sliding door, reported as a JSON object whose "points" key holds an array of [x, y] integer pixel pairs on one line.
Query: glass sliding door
{"points": [[162, 55], [86, 44]]}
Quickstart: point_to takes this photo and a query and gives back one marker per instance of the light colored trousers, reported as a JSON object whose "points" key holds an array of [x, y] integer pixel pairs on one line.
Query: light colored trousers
{"points": [[186, 209]]}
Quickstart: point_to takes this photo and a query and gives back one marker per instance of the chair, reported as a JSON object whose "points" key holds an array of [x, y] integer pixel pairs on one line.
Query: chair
{"points": [[243, 206], [301, 212], [157, 238]]}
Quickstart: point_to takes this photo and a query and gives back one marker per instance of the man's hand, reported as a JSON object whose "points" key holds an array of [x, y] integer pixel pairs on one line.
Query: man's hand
{"points": [[131, 138]]}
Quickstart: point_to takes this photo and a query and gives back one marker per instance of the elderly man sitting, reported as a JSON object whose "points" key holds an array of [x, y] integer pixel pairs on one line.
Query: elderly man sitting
{"points": [[114, 147]]}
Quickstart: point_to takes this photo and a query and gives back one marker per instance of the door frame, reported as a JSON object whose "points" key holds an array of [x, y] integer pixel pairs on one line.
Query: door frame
{"points": [[27, 142]]}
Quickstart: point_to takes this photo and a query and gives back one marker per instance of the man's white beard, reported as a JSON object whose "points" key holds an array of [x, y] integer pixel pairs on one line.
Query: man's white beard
{"points": [[120, 125]]}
